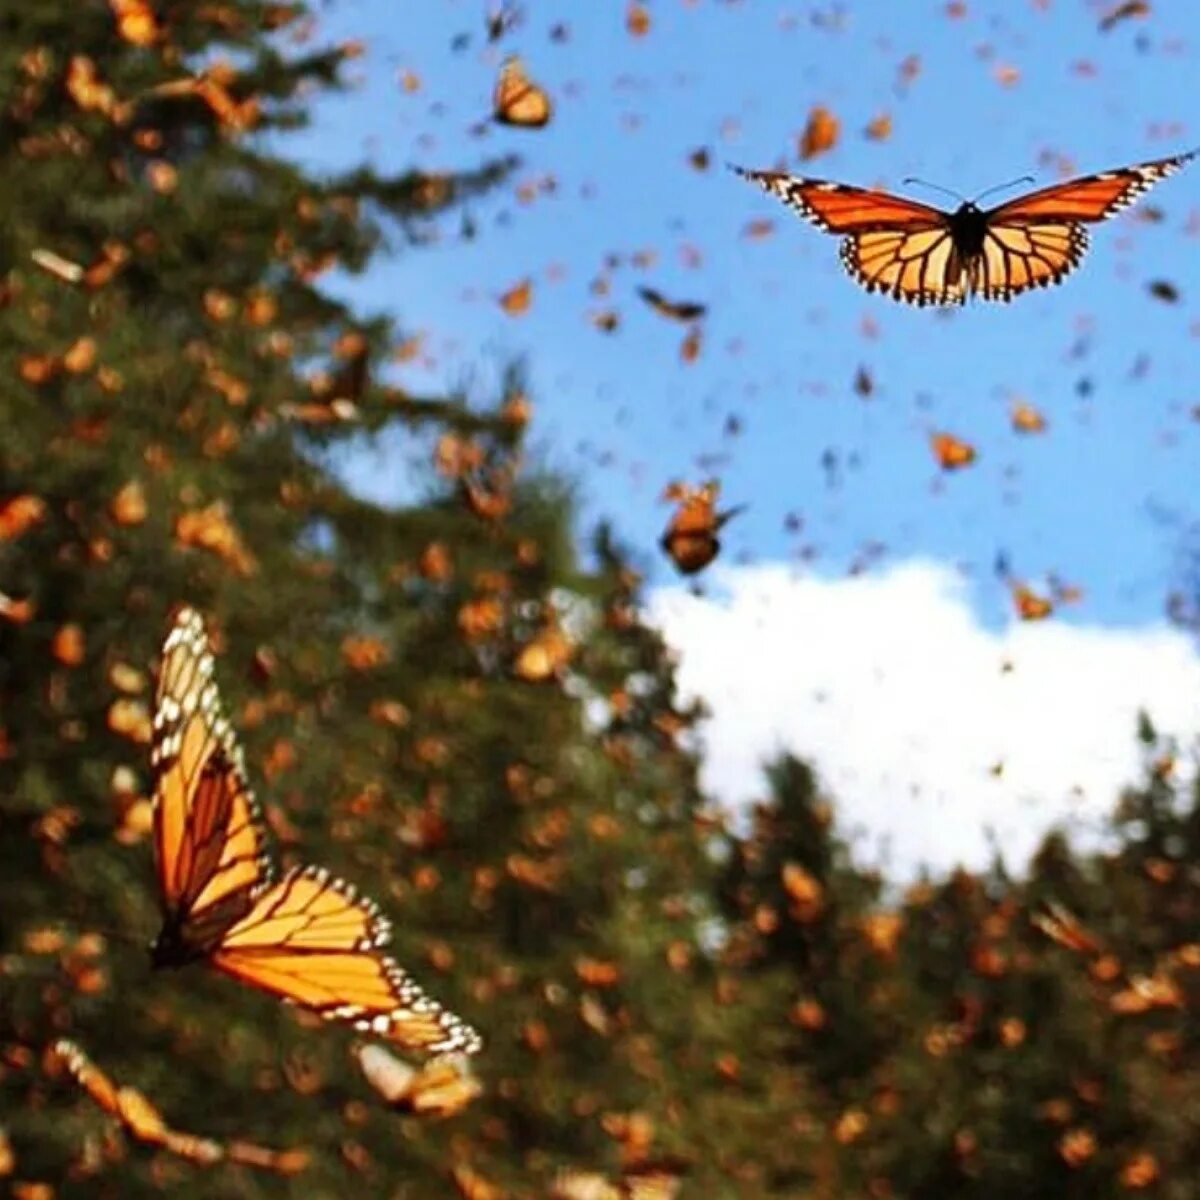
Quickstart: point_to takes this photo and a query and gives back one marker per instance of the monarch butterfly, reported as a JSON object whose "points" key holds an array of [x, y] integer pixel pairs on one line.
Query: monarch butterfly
{"points": [[1131, 8], [1028, 604], [143, 1121], [674, 310], [952, 453], [545, 656], [651, 1180], [518, 100], [516, 301], [473, 1186], [820, 134], [660, 1179], [1062, 926], [442, 1087], [1027, 419], [691, 537], [488, 492], [572, 1184], [924, 255], [307, 938]]}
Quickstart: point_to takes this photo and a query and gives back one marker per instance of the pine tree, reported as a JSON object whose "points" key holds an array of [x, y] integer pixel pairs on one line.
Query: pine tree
{"points": [[437, 702]]}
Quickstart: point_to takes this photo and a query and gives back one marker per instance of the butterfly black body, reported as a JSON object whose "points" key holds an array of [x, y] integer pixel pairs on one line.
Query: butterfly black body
{"points": [[968, 228]]}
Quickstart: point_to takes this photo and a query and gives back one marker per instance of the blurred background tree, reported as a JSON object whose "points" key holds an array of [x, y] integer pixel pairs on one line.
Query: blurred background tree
{"points": [[438, 703]]}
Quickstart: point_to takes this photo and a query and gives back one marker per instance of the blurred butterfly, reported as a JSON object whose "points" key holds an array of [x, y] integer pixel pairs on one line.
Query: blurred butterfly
{"points": [[473, 1186], [503, 20], [952, 453], [307, 937], [1131, 8], [651, 1180], [691, 537], [282, 1162], [519, 101], [1062, 926], [924, 255], [572, 1184], [442, 1087], [659, 1179], [1027, 419], [20, 513], [820, 134], [488, 492], [545, 656], [137, 1115], [675, 310], [1029, 605], [517, 299]]}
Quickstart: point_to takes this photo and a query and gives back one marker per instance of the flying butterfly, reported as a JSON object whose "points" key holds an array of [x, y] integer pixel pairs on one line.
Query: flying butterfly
{"points": [[691, 539], [674, 310], [441, 1087], [573, 1184], [925, 255], [142, 1120], [306, 937], [135, 1112], [658, 1179], [951, 452], [519, 101]]}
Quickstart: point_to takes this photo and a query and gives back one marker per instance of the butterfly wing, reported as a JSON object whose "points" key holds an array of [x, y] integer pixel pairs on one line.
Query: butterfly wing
{"points": [[208, 832], [890, 245], [390, 1076], [1037, 239], [1090, 197], [442, 1087], [840, 208], [311, 940]]}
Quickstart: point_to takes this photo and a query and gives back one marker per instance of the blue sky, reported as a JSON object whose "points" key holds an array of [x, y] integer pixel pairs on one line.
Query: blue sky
{"points": [[785, 332], [942, 726]]}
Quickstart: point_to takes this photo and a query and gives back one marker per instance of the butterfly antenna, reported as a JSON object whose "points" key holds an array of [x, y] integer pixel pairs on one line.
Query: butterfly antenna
{"points": [[1002, 186], [937, 187]]}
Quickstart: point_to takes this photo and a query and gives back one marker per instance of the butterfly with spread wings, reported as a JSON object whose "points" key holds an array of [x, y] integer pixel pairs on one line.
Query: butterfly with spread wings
{"points": [[925, 255], [305, 937]]}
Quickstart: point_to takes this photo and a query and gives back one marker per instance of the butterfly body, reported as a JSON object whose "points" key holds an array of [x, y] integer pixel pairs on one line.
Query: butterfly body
{"points": [[968, 228], [171, 948], [925, 255]]}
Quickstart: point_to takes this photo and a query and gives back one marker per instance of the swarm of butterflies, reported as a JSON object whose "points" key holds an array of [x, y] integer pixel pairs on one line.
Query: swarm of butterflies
{"points": [[910, 251], [311, 939]]}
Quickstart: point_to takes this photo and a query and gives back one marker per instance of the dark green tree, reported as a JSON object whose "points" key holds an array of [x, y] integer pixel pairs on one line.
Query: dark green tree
{"points": [[437, 701]]}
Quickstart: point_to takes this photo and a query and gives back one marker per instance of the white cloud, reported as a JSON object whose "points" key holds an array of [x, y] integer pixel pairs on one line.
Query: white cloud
{"points": [[892, 689]]}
